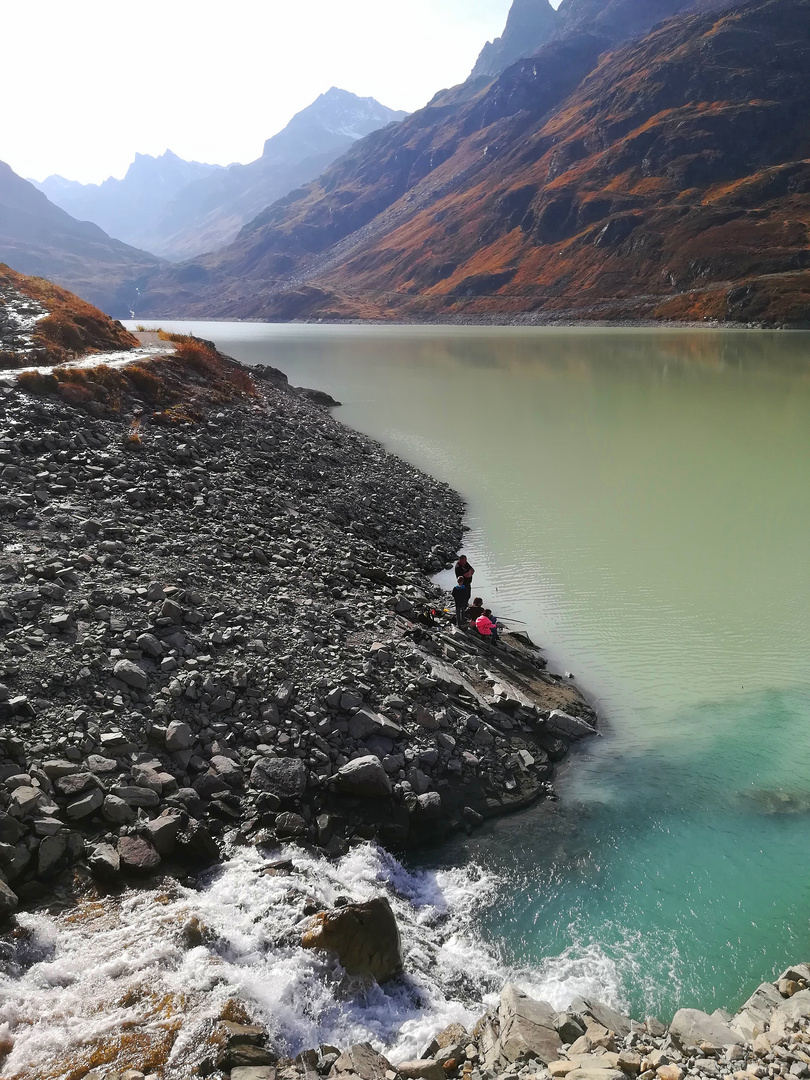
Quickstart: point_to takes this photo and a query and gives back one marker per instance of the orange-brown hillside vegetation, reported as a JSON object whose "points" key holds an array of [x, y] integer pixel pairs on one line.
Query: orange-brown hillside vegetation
{"points": [[666, 179], [71, 328]]}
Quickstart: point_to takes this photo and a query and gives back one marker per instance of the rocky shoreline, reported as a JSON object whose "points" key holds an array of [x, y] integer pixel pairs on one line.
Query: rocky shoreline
{"points": [[525, 1039], [216, 629]]}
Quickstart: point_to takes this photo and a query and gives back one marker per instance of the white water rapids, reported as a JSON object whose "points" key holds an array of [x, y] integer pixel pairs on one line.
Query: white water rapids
{"points": [[119, 972]]}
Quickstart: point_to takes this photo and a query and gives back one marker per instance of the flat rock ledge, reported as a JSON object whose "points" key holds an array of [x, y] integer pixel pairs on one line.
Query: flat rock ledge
{"points": [[221, 630]]}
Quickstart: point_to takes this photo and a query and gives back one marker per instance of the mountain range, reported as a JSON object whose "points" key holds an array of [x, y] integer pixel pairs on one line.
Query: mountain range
{"points": [[177, 208], [648, 160], [664, 178], [41, 239]]}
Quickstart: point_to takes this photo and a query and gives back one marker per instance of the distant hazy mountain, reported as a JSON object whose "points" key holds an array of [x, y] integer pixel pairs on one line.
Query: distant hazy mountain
{"points": [[209, 213], [129, 209], [39, 238], [178, 208]]}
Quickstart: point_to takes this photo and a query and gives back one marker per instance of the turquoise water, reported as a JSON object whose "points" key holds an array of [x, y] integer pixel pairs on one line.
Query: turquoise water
{"points": [[641, 500]]}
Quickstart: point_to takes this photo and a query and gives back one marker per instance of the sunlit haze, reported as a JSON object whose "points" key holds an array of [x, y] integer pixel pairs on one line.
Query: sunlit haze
{"points": [[101, 80]]}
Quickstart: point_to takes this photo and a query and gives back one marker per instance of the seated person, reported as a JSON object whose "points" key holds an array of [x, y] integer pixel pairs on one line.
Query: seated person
{"points": [[486, 625]]}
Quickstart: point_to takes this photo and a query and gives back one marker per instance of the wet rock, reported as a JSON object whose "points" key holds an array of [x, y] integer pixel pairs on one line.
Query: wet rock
{"points": [[137, 853], [364, 776], [365, 938], [8, 901]]}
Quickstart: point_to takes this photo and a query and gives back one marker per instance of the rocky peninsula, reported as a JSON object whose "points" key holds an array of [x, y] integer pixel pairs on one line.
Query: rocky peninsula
{"points": [[215, 622]]}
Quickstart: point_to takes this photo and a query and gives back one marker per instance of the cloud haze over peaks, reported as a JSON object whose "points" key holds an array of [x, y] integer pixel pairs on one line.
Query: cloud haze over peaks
{"points": [[211, 82]]}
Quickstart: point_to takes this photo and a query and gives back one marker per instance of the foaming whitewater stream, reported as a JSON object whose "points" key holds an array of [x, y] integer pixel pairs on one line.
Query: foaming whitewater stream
{"points": [[133, 979]]}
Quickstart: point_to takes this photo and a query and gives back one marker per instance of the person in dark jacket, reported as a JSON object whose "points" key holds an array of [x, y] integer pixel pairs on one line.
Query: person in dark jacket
{"points": [[463, 570], [461, 596], [475, 609]]}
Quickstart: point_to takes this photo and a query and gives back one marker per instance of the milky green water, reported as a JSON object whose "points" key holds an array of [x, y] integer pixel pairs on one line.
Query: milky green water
{"points": [[640, 499]]}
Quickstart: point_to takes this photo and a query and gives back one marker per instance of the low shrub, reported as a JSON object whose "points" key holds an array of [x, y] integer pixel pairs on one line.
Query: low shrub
{"points": [[34, 382]]}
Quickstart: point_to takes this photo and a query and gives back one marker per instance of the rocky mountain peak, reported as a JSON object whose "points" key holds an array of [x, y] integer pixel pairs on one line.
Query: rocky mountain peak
{"points": [[337, 112], [529, 25]]}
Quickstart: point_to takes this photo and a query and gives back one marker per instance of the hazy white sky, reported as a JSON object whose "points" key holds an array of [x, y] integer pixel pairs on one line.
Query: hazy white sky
{"points": [[97, 80]]}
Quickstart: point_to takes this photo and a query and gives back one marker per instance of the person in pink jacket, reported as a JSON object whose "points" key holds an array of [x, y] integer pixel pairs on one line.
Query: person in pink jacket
{"points": [[487, 625]]}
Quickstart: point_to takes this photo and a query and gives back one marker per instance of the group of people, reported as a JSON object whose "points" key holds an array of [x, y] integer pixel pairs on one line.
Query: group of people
{"points": [[474, 614]]}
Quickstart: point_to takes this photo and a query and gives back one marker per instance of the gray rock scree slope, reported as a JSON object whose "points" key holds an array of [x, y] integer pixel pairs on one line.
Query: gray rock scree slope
{"points": [[209, 631]]}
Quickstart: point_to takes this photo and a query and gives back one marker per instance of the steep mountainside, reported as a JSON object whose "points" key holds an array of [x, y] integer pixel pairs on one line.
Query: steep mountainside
{"points": [[209, 213], [668, 179], [534, 23], [129, 209], [39, 238], [530, 24]]}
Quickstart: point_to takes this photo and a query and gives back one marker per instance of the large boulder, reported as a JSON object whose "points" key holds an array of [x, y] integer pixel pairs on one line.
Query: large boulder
{"points": [[588, 1009], [754, 1016], [560, 723], [794, 1008], [286, 778], [362, 1061], [691, 1027], [365, 938], [522, 1030], [364, 776]]}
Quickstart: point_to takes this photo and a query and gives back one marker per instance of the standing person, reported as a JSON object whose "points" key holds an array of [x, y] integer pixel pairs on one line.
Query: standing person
{"points": [[461, 596], [487, 625], [463, 570]]}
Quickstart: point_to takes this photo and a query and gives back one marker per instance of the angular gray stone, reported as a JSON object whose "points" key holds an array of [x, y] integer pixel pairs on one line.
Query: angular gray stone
{"points": [[24, 800], [254, 1072], [361, 1060], [75, 783], [560, 723], [137, 853], [116, 811], [179, 736], [163, 832], [131, 674], [421, 1069], [366, 722], [137, 796], [525, 1031], [365, 777], [52, 855], [8, 900], [85, 805], [104, 860], [149, 644], [286, 778], [602, 1014], [795, 1008], [691, 1027]]}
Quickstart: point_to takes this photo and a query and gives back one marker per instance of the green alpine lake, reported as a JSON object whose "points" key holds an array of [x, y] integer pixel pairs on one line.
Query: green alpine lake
{"points": [[640, 499]]}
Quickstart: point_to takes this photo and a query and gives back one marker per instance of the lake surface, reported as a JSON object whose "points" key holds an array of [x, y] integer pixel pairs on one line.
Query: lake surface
{"points": [[640, 499]]}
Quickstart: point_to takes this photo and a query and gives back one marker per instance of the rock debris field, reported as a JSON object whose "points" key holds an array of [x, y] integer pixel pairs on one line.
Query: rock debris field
{"points": [[211, 631]]}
